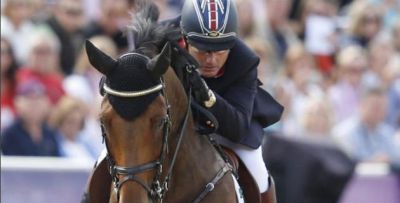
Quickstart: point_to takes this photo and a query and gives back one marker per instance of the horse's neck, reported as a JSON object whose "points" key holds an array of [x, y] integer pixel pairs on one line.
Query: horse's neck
{"points": [[197, 163]]}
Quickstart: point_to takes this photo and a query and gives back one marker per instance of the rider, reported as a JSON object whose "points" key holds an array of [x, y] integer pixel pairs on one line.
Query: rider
{"points": [[229, 68]]}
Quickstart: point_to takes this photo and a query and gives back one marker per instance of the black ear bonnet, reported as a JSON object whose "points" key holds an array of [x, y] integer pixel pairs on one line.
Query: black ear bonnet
{"points": [[132, 75], [132, 72]]}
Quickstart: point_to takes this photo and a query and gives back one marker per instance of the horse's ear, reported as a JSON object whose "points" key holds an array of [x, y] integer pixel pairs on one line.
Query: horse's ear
{"points": [[101, 61], [160, 63]]}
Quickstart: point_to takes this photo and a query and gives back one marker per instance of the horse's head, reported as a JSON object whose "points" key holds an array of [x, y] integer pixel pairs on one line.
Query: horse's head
{"points": [[136, 117]]}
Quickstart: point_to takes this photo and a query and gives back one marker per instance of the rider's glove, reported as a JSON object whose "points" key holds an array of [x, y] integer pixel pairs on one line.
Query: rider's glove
{"points": [[201, 93]]}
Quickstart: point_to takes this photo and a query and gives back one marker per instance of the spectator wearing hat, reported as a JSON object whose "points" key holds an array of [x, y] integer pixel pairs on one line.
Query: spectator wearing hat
{"points": [[29, 134]]}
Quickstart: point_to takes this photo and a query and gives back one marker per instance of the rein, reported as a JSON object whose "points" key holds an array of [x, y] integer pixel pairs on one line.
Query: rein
{"points": [[158, 187]]}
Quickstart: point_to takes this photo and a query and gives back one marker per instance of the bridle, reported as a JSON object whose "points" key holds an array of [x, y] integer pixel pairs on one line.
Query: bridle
{"points": [[159, 186]]}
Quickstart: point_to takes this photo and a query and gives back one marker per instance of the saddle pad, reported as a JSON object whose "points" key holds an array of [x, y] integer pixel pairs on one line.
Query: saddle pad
{"points": [[238, 189]]}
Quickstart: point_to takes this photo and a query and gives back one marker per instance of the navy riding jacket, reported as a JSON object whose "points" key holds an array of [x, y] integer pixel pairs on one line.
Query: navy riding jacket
{"points": [[242, 109]]}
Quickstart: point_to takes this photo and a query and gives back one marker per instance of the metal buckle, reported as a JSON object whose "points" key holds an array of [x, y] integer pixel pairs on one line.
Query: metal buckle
{"points": [[210, 187]]}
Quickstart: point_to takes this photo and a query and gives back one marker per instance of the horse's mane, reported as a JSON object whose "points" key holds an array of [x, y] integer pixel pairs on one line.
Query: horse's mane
{"points": [[150, 36]]}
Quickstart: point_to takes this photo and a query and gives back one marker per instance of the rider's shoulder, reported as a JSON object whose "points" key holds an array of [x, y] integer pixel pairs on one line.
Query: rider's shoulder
{"points": [[242, 56]]}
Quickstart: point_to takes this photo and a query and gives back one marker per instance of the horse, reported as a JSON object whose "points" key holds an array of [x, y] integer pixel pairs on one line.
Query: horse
{"points": [[154, 153]]}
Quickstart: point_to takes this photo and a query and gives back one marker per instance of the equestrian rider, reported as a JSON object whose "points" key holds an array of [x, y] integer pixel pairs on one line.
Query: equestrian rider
{"points": [[229, 68]]}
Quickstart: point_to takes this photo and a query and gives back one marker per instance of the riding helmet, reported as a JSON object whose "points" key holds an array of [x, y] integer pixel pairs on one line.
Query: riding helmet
{"points": [[209, 24]]}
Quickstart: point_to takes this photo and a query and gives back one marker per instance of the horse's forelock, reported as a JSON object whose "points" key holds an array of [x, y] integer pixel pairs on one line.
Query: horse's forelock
{"points": [[132, 73], [149, 36]]}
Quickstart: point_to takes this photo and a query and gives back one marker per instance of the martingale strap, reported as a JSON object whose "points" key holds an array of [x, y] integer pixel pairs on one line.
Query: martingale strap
{"points": [[211, 185]]}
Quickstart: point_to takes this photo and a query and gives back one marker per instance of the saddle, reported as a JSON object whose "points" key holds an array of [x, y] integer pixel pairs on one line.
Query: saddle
{"points": [[246, 180]]}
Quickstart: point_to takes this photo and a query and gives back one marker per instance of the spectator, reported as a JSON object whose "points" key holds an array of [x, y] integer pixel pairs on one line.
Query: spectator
{"points": [[392, 83], [246, 20], [66, 21], [166, 11], [17, 27], [68, 119], [365, 22], [307, 8], [87, 76], [268, 67], [396, 35], [43, 64], [29, 135], [319, 32], [380, 50], [41, 10], [366, 137], [345, 93], [114, 17], [278, 31], [84, 85], [317, 120], [390, 12], [301, 81], [8, 82]]}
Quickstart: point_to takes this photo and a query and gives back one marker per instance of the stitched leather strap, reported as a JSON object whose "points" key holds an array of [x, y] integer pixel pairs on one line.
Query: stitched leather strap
{"points": [[211, 185]]}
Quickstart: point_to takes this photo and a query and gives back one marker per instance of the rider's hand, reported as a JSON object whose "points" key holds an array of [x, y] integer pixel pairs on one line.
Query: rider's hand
{"points": [[201, 92], [199, 87]]}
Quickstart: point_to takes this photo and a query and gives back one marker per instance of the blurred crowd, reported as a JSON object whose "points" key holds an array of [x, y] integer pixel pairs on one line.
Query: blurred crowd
{"points": [[333, 64]]}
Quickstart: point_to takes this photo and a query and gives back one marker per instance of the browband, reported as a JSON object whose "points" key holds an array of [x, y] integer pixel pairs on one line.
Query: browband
{"points": [[111, 91]]}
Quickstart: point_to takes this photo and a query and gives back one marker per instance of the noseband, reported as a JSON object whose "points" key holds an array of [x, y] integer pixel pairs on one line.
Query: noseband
{"points": [[157, 189]]}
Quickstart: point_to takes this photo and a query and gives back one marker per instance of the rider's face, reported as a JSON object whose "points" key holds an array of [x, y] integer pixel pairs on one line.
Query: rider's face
{"points": [[210, 62]]}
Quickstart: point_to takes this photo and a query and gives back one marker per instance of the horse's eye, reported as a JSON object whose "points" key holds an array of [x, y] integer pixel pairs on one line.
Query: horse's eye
{"points": [[159, 124]]}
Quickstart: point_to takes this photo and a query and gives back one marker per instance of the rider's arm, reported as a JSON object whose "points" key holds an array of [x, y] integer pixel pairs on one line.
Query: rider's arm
{"points": [[234, 107]]}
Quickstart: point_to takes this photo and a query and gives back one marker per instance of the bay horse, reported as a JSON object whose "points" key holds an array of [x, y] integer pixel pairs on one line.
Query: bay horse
{"points": [[154, 153]]}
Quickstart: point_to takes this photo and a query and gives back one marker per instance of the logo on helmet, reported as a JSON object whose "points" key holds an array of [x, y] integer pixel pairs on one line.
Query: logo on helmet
{"points": [[212, 16], [210, 24], [213, 34]]}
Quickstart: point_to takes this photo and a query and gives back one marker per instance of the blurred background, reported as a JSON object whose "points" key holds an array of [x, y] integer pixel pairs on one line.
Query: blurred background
{"points": [[333, 64]]}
